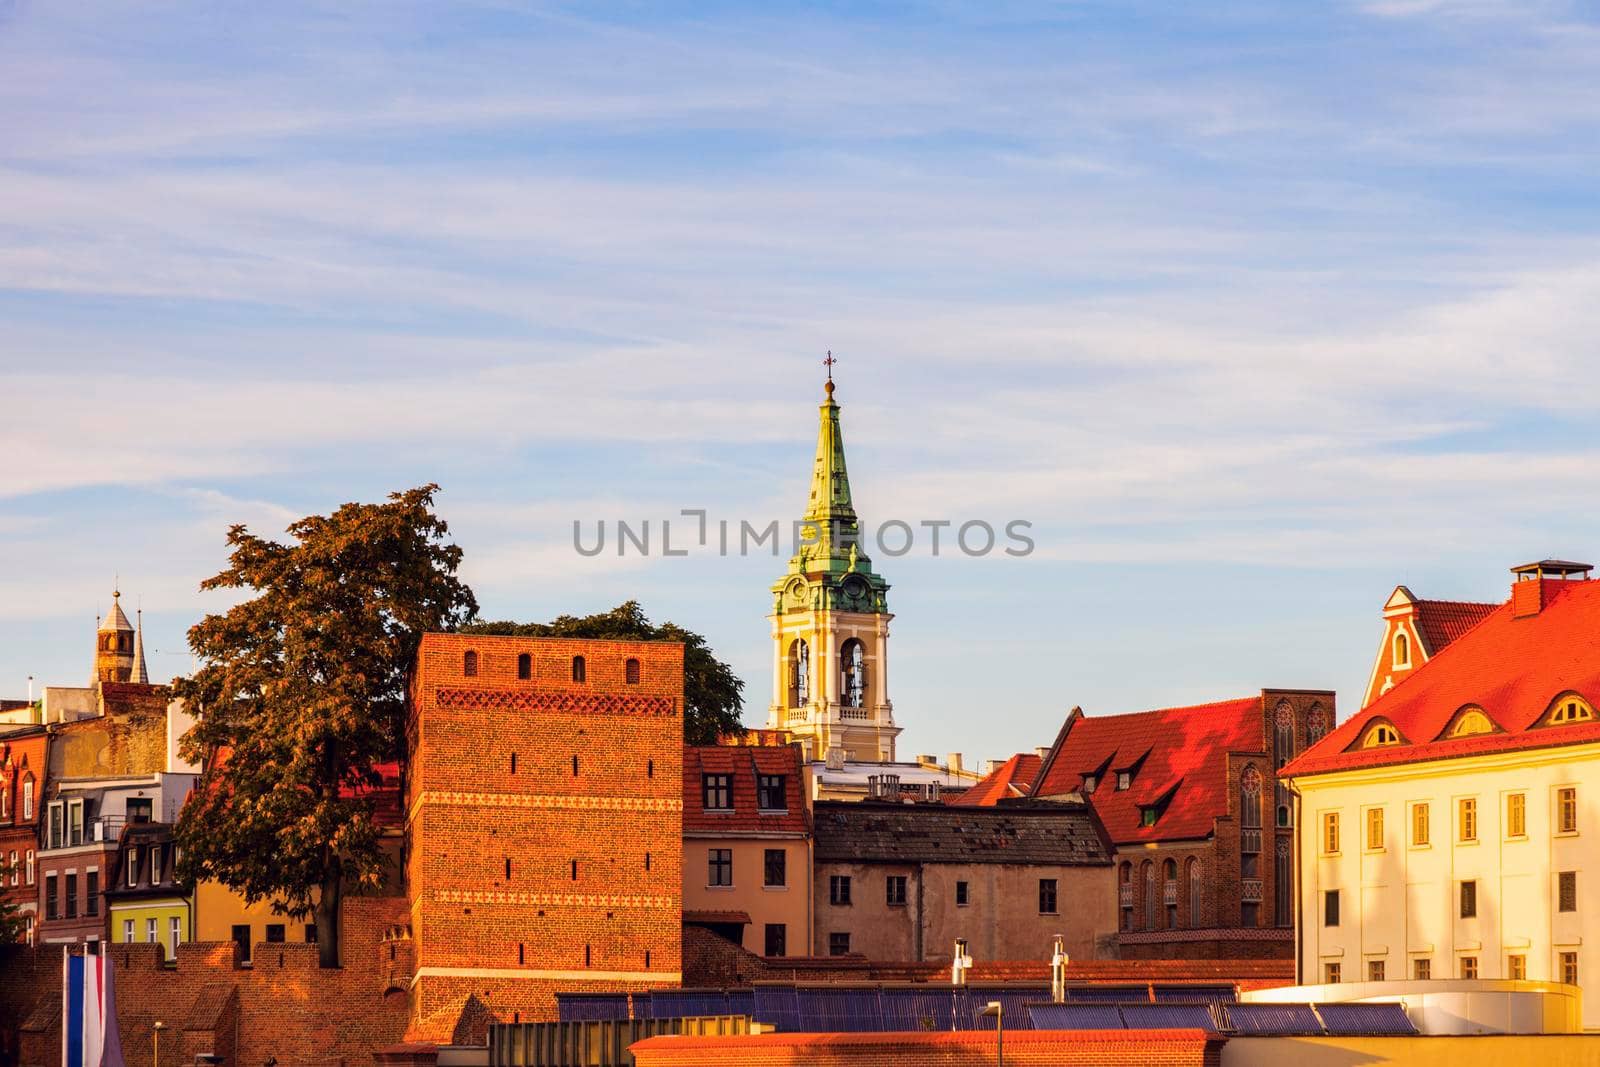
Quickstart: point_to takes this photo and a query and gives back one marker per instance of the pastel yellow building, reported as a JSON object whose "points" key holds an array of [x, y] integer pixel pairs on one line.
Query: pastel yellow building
{"points": [[144, 900], [1445, 830]]}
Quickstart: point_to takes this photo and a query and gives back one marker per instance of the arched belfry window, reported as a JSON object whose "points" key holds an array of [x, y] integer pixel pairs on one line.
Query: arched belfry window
{"points": [[469, 664], [580, 670], [853, 674], [799, 673]]}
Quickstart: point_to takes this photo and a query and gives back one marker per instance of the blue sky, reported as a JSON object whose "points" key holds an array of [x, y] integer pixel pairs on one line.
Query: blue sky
{"points": [[1254, 310]]}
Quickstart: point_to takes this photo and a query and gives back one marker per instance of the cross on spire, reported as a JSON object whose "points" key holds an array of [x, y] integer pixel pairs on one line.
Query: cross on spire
{"points": [[829, 362]]}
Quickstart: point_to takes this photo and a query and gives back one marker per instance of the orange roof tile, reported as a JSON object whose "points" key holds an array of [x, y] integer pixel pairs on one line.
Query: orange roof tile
{"points": [[1013, 778], [1442, 621], [744, 763], [1512, 668], [1181, 749]]}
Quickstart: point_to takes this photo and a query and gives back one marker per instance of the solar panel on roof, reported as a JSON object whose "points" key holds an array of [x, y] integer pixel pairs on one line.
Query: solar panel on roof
{"points": [[1075, 1016], [1168, 1016], [1107, 994], [1387, 1020], [1014, 1003], [1195, 994], [917, 1009], [741, 1002], [844, 1010], [586, 1007], [1272, 1019], [641, 1006], [676, 1003], [777, 1006]]}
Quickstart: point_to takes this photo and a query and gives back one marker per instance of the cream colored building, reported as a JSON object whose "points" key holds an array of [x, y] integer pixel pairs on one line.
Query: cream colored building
{"points": [[1446, 830]]}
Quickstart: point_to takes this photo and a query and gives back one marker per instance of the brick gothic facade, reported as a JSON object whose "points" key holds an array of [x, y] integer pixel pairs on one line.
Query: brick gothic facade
{"points": [[544, 815]]}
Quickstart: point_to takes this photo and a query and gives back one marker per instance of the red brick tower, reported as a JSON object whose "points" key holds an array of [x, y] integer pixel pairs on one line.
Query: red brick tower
{"points": [[544, 823]]}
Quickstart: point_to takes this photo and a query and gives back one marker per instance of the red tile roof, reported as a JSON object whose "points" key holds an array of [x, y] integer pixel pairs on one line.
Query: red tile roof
{"points": [[744, 763], [1013, 778], [1178, 750], [1442, 621], [1512, 668]]}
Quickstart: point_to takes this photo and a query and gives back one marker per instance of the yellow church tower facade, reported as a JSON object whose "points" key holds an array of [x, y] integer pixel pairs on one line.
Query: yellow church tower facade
{"points": [[830, 623]]}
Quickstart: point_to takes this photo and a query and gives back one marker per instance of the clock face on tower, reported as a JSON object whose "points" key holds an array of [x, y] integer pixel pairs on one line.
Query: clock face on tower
{"points": [[796, 591]]}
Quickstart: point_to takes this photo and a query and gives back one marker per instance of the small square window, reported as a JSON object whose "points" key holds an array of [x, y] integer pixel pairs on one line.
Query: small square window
{"points": [[1124, 779], [276, 933], [895, 891], [717, 791], [1517, 967], [1331, 973], [1375, 970], [1469, 966], [1421, 970], [771, 792], [838, 944], [1569, 968]]}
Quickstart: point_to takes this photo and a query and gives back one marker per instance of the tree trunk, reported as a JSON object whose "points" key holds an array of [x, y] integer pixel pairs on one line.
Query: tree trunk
{"points": [[327, 915]]}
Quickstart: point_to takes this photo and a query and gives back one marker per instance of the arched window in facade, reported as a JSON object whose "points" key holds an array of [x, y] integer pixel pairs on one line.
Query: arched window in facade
{"points": [[1149, 895], [1283, 885], [853, 674], [1317, 724], [524, 666], [1125, 894], [799, 673], [630, 672], [1169, 892], [1402, 649], [580, 669], [1282, 753], [469, 664], [1250, 798], [1197, 894], [1380, 735]]}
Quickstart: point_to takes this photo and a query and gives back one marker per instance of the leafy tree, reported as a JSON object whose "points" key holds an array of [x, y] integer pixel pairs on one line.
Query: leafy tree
{"points": [[302, 691], [711, 691], [12, 926]]}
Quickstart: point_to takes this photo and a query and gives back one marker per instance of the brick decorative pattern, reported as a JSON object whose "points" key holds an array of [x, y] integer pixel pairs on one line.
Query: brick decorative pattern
{"points": [[544, 825]]}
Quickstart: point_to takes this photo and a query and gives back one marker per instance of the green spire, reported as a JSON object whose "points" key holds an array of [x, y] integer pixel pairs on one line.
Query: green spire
{"points": [[831, 568]]}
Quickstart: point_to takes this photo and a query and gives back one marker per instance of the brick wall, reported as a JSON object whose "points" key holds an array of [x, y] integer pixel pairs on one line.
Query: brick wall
{"points": [[284, 1006], [544, 815], [1084, 1048]]}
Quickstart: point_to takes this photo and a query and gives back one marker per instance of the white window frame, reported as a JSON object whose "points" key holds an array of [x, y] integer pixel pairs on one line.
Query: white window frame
{"points": [[75, 812], [127, 931], [55, 820], [31, 867], [16, 867], [27, 798], [175, 934], [133, 867], [150, 931]]}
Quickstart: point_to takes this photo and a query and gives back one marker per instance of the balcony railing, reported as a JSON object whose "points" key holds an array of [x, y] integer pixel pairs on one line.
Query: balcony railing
{"points": [[103, 828]]}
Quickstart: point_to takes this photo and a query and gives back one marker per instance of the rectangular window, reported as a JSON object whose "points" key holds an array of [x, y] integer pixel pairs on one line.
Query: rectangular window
{"points": [[127, 931], [717, 791], [1469, 966], [1569, 968], [1422, 970], [1250, 914], [1375, 970], [1516, 814], [54, 838], [839, 889], [133, 866], [1330, 907], [1330, 833], [961, 895], [895, 890], [1047, 896], [1516, 967], [719, 866], [1331, 973], [75, 823], [777, 940], [771, 794], [51, 905], [838, 944], [275, 933], [150, 931], [1469, 900], [310, 934], [775, 868], [1419, 824], [1466, 820], [1567, 891], [241, 937], [91, 900], [1567, 810], [174, 936], [30, 866], [72, 896], [140, 809], [1374, 829]]}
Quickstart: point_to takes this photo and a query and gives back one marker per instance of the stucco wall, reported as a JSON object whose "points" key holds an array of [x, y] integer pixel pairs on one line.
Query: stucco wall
{"points": [[790, 905]]}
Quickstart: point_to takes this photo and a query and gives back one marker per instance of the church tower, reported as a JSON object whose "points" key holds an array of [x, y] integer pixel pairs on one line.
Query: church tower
{"points": [[830, 623], [113, 648]]}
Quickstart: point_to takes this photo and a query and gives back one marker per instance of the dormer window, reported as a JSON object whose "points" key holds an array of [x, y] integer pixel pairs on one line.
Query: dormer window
{"points": [[1571, 708], [1402, 650], [1470, 721], [717, 791], [1147, 817], [1124, 780], [1088, 783], [1379, 735]]}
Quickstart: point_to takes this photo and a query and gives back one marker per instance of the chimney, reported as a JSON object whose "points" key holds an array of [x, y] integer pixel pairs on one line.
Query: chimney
{"points": [[1527, 587], [1043, 752], [990, 766], [953, 762]]}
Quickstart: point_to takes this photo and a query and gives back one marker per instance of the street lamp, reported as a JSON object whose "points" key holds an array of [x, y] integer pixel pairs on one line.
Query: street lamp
{"points": [[155, 1040], [995, 1008]]}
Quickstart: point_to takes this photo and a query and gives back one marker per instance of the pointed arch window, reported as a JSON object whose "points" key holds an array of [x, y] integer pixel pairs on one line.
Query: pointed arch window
{"points": [[799, 673], [1197, 894], [524, 667], [469, 664], [1317, 724], [853, 674], [630, 672], [1283, 884], [1282, 753], [1402, 649], [1250, 798], [1149, 895]]}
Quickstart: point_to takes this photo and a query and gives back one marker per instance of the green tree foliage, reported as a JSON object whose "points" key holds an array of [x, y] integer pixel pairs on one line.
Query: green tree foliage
{"points": [[302, 690], [712, 692], [12, 926]]}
